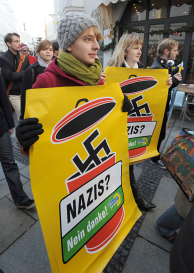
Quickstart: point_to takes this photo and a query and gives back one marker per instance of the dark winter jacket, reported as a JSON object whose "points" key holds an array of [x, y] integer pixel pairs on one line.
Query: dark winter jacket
{"points": [[54, 76], [161, 63], [181, 256], [8, 64], [6, 119], [29, 78]]}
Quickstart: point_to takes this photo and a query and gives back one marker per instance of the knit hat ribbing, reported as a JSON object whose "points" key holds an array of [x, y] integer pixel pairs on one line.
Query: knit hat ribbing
{"points": [[23, 46], [71, 25]]}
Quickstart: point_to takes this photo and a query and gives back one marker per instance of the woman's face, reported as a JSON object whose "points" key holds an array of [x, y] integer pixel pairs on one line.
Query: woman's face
{"points": [[133, 54], [46, 54], [85, 47]]}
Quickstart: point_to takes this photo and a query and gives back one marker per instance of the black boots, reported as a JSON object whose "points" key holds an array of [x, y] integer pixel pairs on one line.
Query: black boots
{"points": [[141, 203]]}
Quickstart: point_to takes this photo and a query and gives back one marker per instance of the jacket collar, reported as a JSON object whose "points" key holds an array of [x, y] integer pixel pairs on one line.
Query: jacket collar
{"points": [[14, 55], [162, 61], [35, 64]]}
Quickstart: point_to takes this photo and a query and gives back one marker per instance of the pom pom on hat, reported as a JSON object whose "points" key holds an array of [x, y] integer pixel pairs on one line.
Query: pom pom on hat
{"points": [[71, 25]]}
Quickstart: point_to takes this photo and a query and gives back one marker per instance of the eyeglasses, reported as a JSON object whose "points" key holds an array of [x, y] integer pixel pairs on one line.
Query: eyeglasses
{"points": [[16, 41]]}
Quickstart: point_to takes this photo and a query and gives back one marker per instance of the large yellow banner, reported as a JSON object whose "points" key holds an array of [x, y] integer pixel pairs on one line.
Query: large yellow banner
{"points": [[147, 91], [79, 172]]}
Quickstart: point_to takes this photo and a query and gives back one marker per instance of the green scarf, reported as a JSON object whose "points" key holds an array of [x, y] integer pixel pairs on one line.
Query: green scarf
{"points": [[88, 74]]}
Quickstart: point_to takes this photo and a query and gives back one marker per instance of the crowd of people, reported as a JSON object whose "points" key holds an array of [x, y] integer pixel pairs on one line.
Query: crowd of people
{"points": [[72, 61], [19, 71]]}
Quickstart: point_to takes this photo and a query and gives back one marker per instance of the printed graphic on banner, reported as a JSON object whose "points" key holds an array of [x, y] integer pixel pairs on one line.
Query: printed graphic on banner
{"points": [[137, 84], [145, 89], [95, 189], [82, 119], [86, 210], [83, 170], [140, 133], [140, 114]]}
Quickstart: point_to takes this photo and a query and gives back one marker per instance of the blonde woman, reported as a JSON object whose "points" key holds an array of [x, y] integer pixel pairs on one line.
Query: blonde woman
{"points": [[127, 54]]}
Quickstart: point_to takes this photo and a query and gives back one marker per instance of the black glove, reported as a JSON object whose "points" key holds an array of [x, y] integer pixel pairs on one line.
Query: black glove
{"points": [[127, 106], [27, 132]]}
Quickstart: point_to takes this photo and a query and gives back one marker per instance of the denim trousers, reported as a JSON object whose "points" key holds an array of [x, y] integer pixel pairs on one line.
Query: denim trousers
{"points": [[11, 170], [169, 221]]}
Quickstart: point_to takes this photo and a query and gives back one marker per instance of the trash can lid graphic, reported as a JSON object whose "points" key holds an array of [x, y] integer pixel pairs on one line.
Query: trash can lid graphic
{"points": [[82, 119], [137, 84]]}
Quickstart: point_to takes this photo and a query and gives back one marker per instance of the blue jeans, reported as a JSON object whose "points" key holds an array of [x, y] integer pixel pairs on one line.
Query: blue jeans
{"points": [[169, 222], [11, 170]]}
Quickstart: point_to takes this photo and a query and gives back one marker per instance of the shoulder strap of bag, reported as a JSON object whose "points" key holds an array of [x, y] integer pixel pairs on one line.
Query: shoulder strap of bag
{"points": [[22, 58], [32, 75]]}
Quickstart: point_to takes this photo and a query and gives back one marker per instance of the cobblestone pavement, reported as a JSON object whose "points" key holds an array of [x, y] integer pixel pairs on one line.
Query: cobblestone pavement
{"points": [[147, 184]]}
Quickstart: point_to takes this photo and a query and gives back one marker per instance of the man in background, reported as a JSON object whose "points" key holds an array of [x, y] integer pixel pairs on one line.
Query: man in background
{"points": [[167, 50], [56, 49], [13, 65], [25, 51]]}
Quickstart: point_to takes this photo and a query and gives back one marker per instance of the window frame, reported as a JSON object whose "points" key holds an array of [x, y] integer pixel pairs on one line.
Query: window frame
{"points": [[166, 22]]}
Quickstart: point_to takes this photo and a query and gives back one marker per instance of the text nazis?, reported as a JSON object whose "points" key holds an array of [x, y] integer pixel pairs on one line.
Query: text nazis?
{"points": [[85, 200]]}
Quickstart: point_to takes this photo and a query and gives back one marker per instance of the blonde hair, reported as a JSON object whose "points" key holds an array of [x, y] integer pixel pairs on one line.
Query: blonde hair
{"points": [[166, 44], [98, 36], [126, 42]]}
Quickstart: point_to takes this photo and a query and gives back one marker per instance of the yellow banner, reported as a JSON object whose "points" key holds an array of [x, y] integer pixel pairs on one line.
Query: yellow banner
{"points": [[79, 172], [147, 91]]}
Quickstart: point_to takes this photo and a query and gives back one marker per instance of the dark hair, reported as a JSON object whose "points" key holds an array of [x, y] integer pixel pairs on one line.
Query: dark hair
{"points": [[8, 37], [55, 46], [42, 45]]}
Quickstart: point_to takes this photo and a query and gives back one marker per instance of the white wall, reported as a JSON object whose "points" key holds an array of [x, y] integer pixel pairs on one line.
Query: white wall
{"points": [[8, 22], [27, 39], [51, 31]]}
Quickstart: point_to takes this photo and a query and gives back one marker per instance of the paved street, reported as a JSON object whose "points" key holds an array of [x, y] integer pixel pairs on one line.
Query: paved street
{"points": [[22, 247]]}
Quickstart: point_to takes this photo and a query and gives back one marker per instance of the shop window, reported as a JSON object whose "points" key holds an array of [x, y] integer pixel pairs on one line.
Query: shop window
{"points": [[158, 9], [153, 44], [190, 67], [138, 10], [180, 8], [180, 38], [141, 35]]}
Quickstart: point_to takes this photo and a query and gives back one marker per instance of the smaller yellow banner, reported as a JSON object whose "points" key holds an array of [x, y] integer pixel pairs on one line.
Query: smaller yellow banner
{"points": [[147, 90]]}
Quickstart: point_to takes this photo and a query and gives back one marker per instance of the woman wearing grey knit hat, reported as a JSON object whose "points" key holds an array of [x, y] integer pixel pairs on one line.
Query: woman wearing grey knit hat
{"points": [[76, 65]]}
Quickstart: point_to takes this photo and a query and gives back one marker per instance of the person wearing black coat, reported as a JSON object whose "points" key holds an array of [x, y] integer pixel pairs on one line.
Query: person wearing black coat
{"points": [[181, 256], [167, 50], [29, 79], [44, 52], [9, 166], [9, 62]]}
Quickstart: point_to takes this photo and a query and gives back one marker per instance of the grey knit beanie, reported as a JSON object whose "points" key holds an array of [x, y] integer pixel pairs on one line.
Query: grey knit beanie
{"points": [[71, 25]]}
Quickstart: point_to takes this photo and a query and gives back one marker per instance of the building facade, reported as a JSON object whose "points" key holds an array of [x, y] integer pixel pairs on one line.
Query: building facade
{"points": [[8, 21], [27, 39], [153, 20]]}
